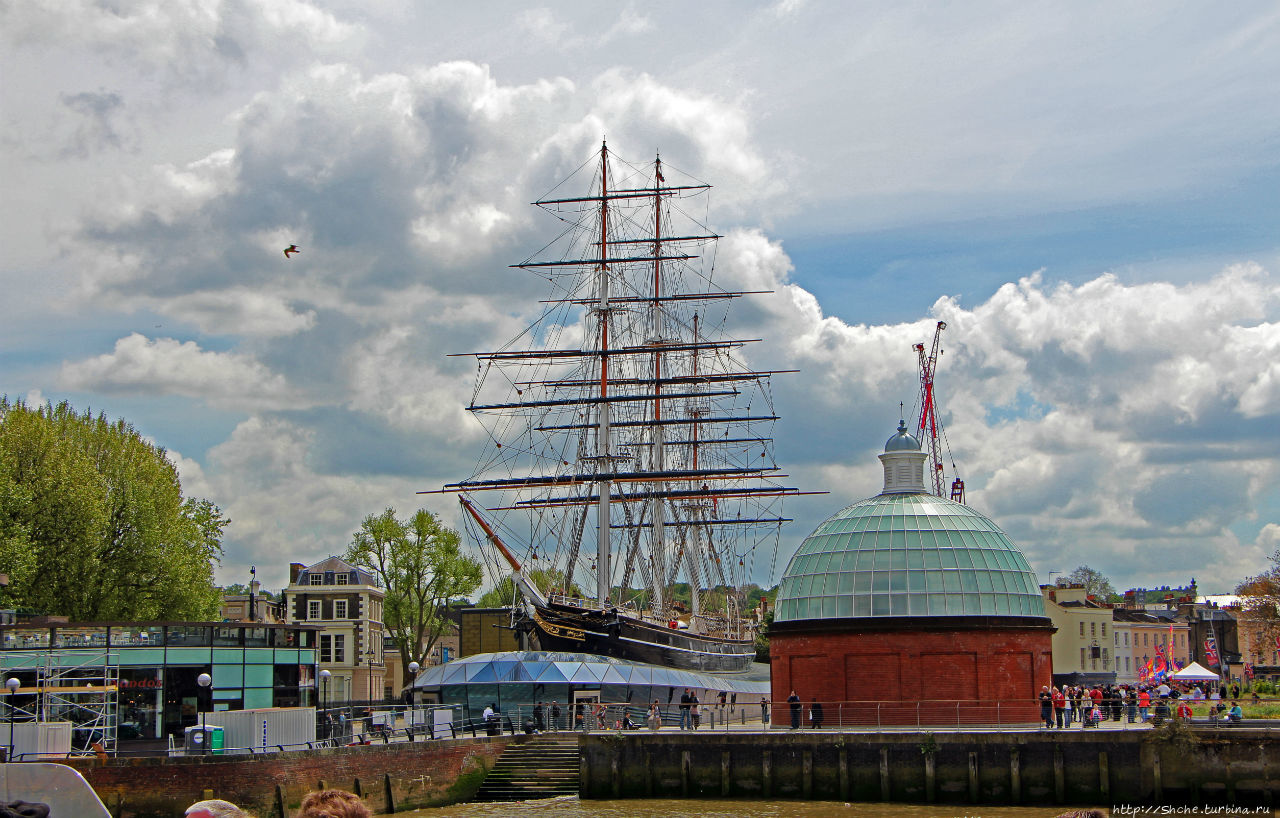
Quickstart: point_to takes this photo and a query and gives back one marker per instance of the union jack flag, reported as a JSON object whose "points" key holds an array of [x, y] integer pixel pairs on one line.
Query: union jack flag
{"points": [[1211, 651]]}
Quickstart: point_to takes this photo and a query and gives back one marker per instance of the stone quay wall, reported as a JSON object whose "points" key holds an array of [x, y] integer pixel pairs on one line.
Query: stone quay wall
{"points": [[390, 777], [1216, 766]]}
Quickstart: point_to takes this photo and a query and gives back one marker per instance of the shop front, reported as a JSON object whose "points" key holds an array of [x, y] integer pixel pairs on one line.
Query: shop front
{"points": [[136, 682]]}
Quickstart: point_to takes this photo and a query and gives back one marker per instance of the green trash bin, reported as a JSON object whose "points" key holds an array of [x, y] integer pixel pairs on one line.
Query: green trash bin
{"points": [[216, 740]]}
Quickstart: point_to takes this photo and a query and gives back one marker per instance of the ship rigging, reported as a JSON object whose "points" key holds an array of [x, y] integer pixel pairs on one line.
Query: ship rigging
{"points": [[630, 444]]}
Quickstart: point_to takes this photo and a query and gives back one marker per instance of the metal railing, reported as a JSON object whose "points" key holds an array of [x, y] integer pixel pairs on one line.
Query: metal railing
{"points": [[404, 724]]}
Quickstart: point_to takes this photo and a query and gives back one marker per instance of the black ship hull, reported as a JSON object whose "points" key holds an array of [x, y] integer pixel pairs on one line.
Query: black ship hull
{"points": [[558, 627]]}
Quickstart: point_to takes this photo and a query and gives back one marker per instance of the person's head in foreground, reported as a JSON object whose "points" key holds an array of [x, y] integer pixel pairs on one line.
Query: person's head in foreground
{"points": [[333, 804], [214, 808]]}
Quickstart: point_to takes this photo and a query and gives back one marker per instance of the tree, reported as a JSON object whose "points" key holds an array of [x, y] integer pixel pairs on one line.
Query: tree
{"points": [[1095, 584], [762, 638], [93, 524], [1260, 601], [422, 569]]}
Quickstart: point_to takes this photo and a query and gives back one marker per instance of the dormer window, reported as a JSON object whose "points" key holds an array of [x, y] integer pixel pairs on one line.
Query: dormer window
{"points": [[342, 579], [317, 579]]}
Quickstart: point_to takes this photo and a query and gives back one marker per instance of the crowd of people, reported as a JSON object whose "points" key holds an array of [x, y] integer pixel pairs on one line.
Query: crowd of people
{"points": [[1061, 707]]}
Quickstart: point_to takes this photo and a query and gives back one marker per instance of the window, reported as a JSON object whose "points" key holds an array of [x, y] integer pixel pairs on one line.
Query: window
{"points": [[1104, 628], [1082, 651], [342, 578], [326, 648], [317, 579], [1126, 639], [1093, 628], [313, 609], [1082, 628], [1126, 664], [339, 609], [339, 648], [1144, 640]]}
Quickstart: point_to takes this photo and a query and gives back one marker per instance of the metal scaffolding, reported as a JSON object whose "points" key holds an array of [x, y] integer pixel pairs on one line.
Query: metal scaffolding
{"points": [[75, 685]]}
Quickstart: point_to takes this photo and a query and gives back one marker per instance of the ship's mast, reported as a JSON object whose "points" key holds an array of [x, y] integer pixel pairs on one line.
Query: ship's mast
{"points": [[603, 463], [658, 545], [636, 417], [699, 513]]}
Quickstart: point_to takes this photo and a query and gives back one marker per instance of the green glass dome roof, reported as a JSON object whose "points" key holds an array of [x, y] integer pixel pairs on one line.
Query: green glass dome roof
{"points": [[907, 554]]}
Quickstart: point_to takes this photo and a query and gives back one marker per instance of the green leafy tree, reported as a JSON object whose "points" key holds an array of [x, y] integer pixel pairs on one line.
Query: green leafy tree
{"points": [[421, 567], [1095, 583], [93, 524], [762, 638]]}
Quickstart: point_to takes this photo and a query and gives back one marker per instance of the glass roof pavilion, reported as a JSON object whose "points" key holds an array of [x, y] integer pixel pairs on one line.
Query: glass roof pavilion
{"points": [[906, 552], [579, 670]]}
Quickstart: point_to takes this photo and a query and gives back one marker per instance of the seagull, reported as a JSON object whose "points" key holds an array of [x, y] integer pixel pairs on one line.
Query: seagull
{"points": [[290, 250]]}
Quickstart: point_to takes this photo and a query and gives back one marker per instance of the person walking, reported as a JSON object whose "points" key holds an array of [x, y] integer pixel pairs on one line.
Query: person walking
{"points": [[537, 718], [694, 713], [794, 701], [685, 722], [555, 716], [764, 711], [1046, 707], [815, 714]]}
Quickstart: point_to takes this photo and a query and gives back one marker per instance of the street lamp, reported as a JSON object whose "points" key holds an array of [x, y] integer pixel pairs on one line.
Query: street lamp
{"points": [[204, 680], [413, 677], [324, 699], [13, 685]]}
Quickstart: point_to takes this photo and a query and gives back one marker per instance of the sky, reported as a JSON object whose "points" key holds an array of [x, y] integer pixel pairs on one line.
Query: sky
{"points": [[1086, 193]]}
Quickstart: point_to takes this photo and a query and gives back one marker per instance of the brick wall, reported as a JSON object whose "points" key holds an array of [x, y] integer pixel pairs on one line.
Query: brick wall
{"points": [[423, 773], [855, 671]]}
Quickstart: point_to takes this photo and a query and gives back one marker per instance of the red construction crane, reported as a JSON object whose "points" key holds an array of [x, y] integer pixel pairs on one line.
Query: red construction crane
{"points": [[929, 426]]}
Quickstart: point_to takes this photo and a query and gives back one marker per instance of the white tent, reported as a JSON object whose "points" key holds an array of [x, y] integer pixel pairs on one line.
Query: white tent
{"points": [[1194, 672]]}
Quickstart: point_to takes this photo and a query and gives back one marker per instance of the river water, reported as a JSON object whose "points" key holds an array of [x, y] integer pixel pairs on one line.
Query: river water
{"points": [[666, 808]]}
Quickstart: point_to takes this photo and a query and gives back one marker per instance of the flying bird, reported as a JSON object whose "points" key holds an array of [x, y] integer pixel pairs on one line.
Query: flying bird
{"points": [[290, 250]]}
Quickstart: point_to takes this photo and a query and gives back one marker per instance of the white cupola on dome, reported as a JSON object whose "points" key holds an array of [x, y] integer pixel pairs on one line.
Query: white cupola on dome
{"points": [[903, 463]]}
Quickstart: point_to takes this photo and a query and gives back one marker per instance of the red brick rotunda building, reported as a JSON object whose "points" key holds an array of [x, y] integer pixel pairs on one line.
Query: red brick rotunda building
{"points": [[908, 608]]}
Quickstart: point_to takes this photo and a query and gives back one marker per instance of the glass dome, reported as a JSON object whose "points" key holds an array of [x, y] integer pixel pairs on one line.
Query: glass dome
{"points": [[907, 555]]}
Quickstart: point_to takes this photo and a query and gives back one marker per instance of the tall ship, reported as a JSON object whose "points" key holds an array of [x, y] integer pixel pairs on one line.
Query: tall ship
{"points": [[628, 484]]}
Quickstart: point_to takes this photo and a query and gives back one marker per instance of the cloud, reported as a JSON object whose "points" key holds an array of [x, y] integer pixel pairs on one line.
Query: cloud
{"points": [[542, 25], [1102, 420], [98, 129], [181, 41], [240, 312], [283, 507], [167, 366]]}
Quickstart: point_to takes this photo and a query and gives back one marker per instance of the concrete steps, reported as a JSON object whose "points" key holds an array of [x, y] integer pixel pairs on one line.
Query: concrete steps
{"points": [[546, 766]]}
